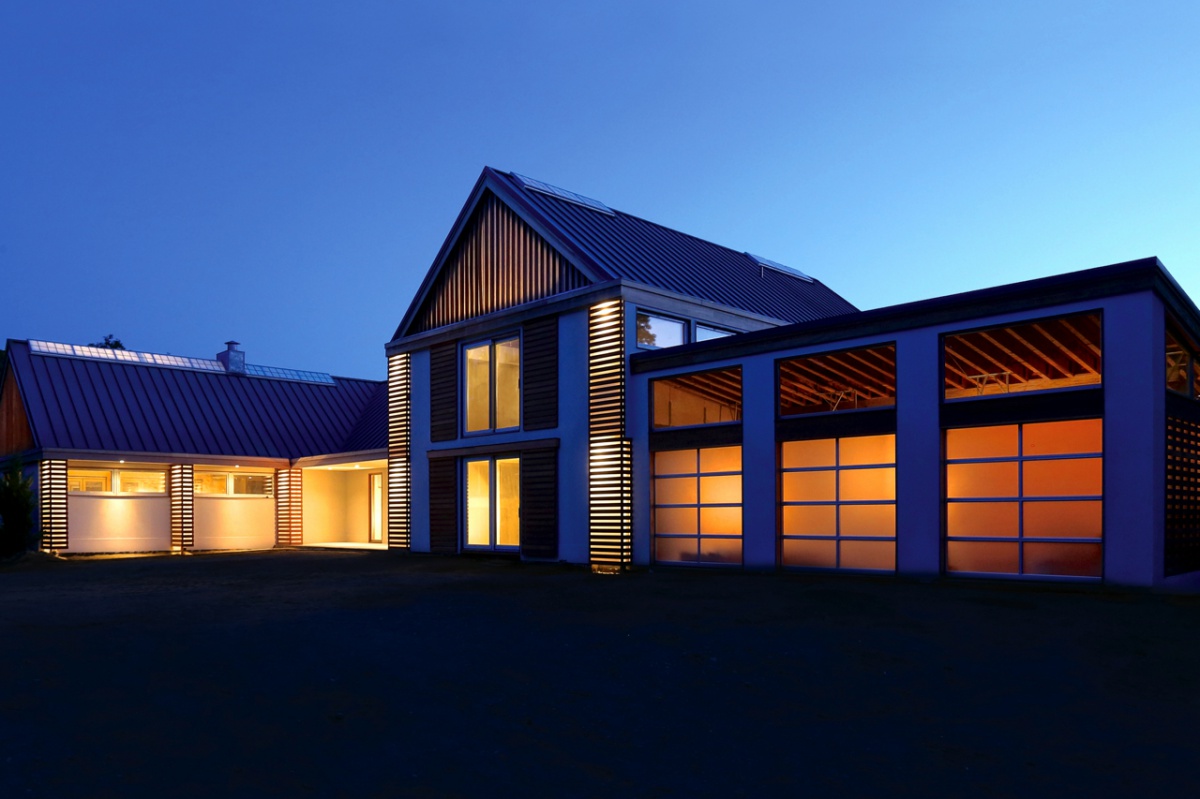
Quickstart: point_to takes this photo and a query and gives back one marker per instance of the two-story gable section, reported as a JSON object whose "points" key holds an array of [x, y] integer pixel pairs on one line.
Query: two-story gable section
{"points": [[507, 374]]}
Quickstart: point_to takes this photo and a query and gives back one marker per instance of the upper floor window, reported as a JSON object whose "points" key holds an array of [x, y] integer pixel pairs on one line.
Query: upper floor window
{"points": [[706, 333], [699, 398], [838, 381], [493, 385], [656, 332], [1061, 352], [1183, 376]]}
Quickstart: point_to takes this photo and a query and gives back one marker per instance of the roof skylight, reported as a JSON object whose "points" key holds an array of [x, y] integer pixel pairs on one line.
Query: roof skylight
{"points": [[171, 361], [561, 194], [767, 263]]}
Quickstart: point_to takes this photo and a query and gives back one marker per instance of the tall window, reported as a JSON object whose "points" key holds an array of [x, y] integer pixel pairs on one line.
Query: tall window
{"points": [[839, 503], [493, 503], [698, 505], [1025, 499], [493, 385]]}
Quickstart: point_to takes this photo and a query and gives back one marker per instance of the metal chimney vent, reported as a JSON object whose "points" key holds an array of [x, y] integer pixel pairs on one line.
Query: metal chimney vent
{"points": [[233, 359]]}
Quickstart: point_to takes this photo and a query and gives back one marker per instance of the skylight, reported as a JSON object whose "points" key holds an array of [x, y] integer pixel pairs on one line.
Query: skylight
{"points": [[171, 361], [767, 263], [561, 194]]}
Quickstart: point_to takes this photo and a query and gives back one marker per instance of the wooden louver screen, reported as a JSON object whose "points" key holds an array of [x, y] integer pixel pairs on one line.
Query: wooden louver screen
{"points": [[1181, 545], [539, 503], [443, 505], [289, 509], [610, 513], [443, 392], [52, 488], [180, 484], [399, 524], [539, 378], [499, 262]]}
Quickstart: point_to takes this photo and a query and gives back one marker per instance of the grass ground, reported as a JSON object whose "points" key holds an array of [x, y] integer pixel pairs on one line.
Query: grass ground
{"points": [[364, 674]]}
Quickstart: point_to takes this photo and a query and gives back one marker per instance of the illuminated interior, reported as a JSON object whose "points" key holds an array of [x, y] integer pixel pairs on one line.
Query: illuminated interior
{"points": [[701, 398], [698, 505], [838, 381], [345, 505], [493, 385], [233, 483], [1033, 356], [1025, 499], [493, 516], [119, 481], [838, 503], [1183, 377]]}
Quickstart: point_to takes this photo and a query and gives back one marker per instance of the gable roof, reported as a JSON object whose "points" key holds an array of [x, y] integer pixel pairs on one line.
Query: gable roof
{"points": [[608, 245], [78, 403]]}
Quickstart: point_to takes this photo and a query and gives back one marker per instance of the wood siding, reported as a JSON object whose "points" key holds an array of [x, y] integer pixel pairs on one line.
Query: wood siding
{"points": [[15, 433], [181, 487], [399, 485], [52, 491], [539, 367], [289, 507], [443, 505], [443, 392], [610, 454], [498, 262], [539, 504]]}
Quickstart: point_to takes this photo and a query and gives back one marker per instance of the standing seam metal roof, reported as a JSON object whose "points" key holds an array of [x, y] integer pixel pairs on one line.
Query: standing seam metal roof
{"points": [[83, 404], [645, 252]]}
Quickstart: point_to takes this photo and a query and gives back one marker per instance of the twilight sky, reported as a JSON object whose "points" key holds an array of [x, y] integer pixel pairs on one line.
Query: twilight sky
{"points": [[283, 173]]}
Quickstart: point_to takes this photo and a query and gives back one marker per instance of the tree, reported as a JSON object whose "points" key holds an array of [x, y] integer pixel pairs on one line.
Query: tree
{"points": [[110, 342], [16, 511]]}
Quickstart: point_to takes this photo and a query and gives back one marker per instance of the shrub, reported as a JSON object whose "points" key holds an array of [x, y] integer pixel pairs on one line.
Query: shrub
{"points": [[16, 511]]}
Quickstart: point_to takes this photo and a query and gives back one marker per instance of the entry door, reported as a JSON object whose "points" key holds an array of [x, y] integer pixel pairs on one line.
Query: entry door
{"points": [[376, 490], [493, 494]]}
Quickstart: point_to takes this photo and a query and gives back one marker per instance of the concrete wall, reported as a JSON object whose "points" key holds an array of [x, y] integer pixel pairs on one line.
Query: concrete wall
{"points": [[108, 523], [225, 522]]}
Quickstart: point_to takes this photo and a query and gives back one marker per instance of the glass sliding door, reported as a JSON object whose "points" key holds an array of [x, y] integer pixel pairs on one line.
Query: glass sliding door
{"points": [[493, 497]]}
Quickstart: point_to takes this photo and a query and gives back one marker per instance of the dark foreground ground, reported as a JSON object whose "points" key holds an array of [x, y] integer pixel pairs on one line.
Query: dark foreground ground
{"points": [[367, 675]]}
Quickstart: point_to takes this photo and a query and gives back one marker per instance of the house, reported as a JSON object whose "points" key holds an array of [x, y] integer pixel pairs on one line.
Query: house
{"points": [[573, 383], [142, 452]]}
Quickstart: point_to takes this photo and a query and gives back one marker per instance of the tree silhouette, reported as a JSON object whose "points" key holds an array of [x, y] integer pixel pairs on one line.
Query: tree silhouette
{"points": [[110, 342]]}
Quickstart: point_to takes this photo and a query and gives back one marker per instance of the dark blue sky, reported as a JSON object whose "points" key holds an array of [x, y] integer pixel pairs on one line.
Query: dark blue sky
{"points": [[283, 173]]}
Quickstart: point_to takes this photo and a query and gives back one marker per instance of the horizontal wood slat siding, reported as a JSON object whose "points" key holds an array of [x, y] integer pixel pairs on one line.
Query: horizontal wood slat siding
{"points": [[498, 262], [289, 508], [443, 392], [52, 490], [15, 433], [443, 505], [539, 365], [539, 504], [399, 524], [610, 454], [180, 484]]}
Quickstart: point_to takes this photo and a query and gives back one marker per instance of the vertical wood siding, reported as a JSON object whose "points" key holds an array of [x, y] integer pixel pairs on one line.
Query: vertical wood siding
{"points": [[399, 533], [289, 508], [539, 380], [443, 505], [180, 485], [498, 262], [610, 454], [52, 490], [443, 392], [15, 433], [539, 503]]}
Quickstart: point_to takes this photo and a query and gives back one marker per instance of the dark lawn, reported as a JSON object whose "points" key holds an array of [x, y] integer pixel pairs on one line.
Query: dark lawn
{"points": [[365, 674]]}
